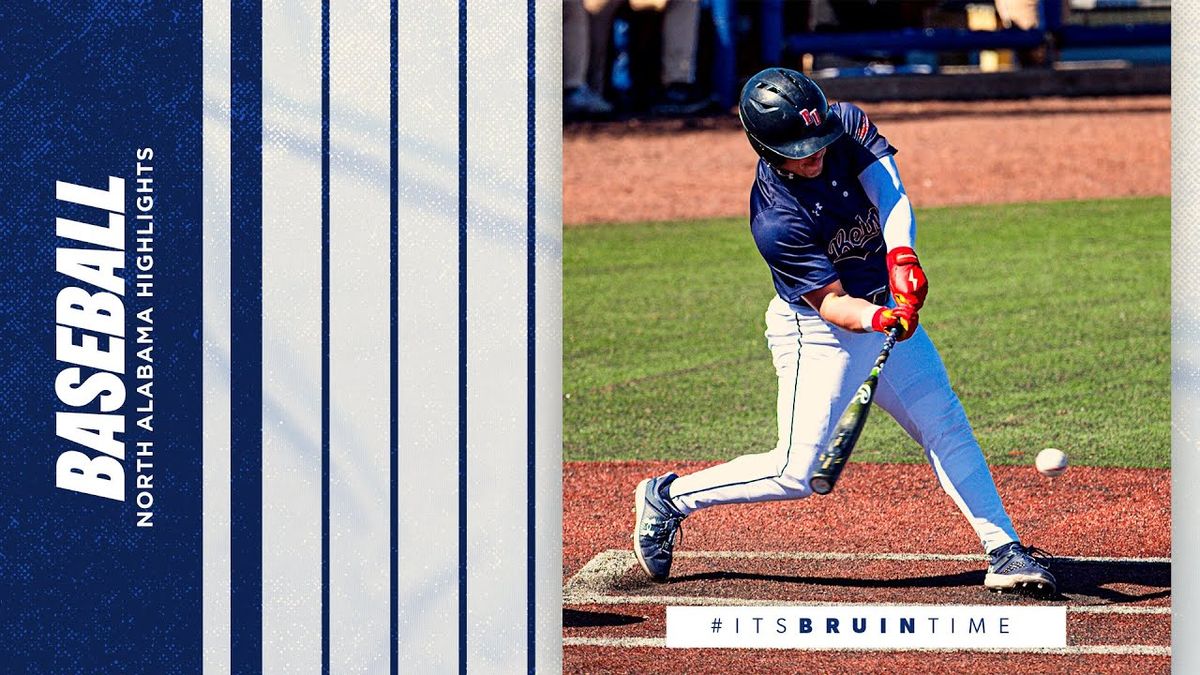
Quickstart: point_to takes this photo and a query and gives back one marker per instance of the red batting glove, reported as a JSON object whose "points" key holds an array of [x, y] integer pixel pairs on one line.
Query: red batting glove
{"points": [[906, 278], [904, 316]]}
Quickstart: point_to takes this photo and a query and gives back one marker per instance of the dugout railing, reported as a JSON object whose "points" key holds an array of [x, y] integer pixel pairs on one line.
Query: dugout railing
{"points": [[1054, 32]]}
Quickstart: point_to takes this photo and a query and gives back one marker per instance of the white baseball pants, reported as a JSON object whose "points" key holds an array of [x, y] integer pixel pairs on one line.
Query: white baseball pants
{"points": [[820, 367]]}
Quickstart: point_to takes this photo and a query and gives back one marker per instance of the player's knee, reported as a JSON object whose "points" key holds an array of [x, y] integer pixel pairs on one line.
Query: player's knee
{"points": [[939, 416], [951, 431], [795, 486], [779, 456], [956, 448], [785, 362], [793, 472]]}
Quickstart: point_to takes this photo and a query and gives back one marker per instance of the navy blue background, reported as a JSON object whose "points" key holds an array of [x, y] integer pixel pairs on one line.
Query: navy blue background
{"points": [[82, 86]]}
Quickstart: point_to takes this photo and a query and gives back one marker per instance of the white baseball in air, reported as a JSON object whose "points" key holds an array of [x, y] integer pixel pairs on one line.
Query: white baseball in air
{"points": [[1051, 462]]}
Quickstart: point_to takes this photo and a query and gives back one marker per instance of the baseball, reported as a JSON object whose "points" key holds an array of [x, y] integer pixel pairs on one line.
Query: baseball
{"points": [[1051, 462]]}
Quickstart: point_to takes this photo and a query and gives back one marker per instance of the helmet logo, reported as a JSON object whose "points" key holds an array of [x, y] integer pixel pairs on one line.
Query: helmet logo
{"points": [[811, 117]]}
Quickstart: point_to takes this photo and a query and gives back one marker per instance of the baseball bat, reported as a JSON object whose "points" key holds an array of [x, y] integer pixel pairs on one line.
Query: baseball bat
{"points": [[832, 460]]}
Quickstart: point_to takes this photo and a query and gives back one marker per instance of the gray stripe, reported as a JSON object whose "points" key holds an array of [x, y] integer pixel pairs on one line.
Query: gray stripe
{"points": [[360, 299], [549, 336], [496, 311], [291, 336], [428, 325], [216, 345], [1185, 333]]}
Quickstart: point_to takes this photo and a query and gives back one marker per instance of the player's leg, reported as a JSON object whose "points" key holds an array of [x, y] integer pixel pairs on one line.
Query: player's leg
{"points": [[813, 365], [600, 25], [818, 368], [584, 41], [575, 44], [681, 28], [915, 389]]}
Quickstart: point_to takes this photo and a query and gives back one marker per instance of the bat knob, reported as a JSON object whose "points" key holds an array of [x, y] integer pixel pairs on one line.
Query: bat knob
{"points": [[820, 485]]}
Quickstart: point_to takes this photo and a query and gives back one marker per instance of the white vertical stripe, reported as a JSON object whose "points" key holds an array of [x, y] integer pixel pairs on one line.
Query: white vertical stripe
{"points": [[428, 327], [549, 337], [360, 347], [216, 342], [1185, 338], [291, 527], [496, 337]]}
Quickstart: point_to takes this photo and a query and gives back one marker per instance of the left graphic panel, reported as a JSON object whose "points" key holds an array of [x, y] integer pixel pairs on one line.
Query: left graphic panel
{"points": [[100, 543]]}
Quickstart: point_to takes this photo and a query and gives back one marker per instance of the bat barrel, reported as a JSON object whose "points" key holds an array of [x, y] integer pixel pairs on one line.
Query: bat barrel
{"points": [[831, 463], [820, 485], [832, 460]]}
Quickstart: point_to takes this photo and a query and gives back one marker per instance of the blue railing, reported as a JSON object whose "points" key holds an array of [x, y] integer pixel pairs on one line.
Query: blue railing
{"points": [[1052, 32]]}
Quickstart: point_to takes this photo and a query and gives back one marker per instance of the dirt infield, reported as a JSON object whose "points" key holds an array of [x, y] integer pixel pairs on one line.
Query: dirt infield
{"points": [[1090, 511], [591, 659], [950, 153], [889, 535]]}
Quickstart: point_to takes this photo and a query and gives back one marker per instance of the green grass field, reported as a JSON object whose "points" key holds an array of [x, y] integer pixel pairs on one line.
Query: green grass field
{"points": [[1053, 320]]}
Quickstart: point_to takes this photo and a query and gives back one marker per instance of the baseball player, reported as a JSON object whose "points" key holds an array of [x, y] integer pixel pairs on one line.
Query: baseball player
{"points": [[831, 219]]}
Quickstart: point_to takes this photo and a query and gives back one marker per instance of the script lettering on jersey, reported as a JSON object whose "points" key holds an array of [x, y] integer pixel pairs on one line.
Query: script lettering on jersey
{"points": [[857, 240]]}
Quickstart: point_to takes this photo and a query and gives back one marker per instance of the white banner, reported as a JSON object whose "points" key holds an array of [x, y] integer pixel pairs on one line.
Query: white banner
{"points": [[868, 627]]}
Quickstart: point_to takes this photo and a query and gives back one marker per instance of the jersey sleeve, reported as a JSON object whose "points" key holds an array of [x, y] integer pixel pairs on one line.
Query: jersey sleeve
{"points": [[797, 260], [881, 182], [869, 144]]}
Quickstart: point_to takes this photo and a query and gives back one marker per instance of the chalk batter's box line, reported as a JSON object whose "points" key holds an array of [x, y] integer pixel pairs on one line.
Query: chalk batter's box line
{"points": [[590, 585], [1089, 650], [959, 557]]}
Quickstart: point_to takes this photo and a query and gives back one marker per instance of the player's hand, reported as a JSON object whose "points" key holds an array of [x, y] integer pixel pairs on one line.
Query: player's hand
{"points": [[906, 278], [904, 316]]}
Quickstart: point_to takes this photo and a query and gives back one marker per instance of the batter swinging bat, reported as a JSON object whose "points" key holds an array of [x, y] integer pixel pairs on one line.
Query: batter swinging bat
{"points": [[833, 459]]}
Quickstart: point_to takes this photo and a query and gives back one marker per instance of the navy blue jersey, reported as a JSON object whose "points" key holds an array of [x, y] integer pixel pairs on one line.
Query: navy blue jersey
{"points": [[812, 231]]}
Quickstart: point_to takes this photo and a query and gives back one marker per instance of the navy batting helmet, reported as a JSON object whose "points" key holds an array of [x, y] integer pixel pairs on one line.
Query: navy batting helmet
{"points": [[786, 116]]}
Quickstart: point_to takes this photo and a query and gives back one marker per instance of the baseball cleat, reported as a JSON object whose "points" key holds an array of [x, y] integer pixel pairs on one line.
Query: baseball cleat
{"points": [[1013, 567], [656, 525]]}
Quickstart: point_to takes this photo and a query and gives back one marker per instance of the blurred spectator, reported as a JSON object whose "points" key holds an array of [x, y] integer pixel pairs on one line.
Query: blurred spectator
{"points": [[871, 15], [1021, 14], [586, 28], [680, 35], [859, 16]]}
